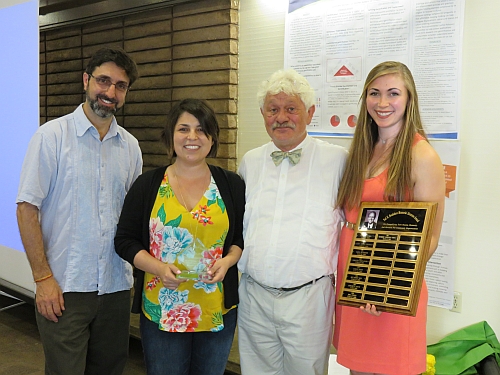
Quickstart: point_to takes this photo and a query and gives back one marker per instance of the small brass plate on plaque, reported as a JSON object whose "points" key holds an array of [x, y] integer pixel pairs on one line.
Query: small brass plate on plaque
{"points": [[388, 255]]}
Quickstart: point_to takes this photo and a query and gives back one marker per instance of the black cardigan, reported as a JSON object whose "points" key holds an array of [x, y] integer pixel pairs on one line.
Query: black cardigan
{"points": [[132, 234]]}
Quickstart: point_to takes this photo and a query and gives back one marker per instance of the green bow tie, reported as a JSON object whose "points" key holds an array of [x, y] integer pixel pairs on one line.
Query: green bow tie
{"points": [[293, 156]]}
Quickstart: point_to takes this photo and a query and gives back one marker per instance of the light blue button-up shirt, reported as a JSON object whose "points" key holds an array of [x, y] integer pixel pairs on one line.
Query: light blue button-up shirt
{"points": [[78, 183]]}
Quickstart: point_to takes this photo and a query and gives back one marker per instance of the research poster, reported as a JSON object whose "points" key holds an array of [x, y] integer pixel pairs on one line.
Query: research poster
{"points": [[440, 271], [335, 43]]}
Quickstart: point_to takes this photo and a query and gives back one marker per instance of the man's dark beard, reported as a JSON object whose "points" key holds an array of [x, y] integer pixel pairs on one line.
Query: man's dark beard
{"points": [[99, 110]]}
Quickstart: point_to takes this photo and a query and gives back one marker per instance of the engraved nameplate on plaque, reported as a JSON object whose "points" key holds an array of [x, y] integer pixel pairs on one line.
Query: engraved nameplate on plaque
{"points": [[388, 254]]}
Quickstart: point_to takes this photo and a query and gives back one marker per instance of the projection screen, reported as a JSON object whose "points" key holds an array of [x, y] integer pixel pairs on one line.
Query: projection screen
{"points": [[19, 119]]}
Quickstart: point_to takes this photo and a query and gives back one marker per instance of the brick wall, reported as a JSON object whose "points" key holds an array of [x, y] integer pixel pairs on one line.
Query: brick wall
{"points": [[188, 50]]}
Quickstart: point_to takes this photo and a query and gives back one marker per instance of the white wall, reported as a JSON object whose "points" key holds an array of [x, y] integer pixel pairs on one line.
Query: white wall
{"points": [[477, 277]]}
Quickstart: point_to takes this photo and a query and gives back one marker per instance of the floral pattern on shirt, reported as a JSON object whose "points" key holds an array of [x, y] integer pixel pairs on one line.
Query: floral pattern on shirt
{"points": [[156, 237], [169, 298], [181, 318], [177, 243], [189, 240]]}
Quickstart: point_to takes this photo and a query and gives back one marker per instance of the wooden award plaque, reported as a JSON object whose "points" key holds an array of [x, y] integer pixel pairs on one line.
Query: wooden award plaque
{"points": [[388, 255]]}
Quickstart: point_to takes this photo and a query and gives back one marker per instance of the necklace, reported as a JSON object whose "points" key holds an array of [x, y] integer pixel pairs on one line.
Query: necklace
{"points": [[174, 171], [192, 261], [180, 188], [384, 141]]}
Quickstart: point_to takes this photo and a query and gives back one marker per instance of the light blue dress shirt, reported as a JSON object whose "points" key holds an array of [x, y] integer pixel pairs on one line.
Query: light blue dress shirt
{"points": [[79, 182]]}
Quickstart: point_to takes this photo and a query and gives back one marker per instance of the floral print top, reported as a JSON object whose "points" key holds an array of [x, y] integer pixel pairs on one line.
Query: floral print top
{"points": [[190, 240]]}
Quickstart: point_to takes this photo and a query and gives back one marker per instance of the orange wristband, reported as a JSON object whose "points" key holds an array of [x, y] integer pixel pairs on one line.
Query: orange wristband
{"points": [[43, 278]]}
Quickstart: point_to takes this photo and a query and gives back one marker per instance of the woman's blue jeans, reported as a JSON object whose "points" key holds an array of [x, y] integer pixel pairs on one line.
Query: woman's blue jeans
{"points": [[187, 353]]}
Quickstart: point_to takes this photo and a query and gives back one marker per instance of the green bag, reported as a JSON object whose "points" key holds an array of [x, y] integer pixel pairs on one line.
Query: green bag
{"points": [[458, 352]]}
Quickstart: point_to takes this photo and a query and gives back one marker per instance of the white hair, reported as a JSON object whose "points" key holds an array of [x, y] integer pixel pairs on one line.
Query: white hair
{"points": [[289, 82]]}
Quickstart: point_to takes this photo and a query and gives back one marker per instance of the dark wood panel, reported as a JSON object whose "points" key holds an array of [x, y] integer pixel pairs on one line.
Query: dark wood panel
{"points": [[205, 63]]}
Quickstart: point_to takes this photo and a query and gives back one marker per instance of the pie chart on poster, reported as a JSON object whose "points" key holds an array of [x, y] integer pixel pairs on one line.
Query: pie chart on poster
{"points": [[352, 120], [335, 120]]}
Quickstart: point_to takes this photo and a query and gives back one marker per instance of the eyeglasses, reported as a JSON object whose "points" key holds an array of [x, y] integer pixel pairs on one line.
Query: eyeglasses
{"points": [[105, 83]]}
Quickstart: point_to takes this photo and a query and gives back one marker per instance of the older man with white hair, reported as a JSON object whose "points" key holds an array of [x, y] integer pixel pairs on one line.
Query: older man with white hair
{"points": [[291, 229]]}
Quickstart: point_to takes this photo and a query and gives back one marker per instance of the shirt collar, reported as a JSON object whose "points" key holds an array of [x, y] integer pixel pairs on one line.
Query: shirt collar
{"points": [[83, 125], [302, 144]]}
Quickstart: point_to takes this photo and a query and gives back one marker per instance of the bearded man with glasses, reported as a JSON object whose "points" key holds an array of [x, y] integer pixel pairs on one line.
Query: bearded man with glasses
{"points": [[76, 173]]}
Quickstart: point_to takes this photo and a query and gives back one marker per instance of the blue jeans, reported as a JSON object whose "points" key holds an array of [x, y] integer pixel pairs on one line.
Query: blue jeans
{"points": [[187, 353]]}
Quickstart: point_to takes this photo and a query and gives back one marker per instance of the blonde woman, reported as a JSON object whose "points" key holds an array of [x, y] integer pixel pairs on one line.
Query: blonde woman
{"points": [[389, 160]]}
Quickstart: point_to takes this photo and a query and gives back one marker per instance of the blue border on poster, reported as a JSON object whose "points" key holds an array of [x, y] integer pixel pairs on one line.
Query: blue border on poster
{"points": [[443, 136], [297, 4]]}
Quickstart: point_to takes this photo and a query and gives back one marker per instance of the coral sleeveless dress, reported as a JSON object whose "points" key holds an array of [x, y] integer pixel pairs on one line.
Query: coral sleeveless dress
{"points": [[390, 343]]}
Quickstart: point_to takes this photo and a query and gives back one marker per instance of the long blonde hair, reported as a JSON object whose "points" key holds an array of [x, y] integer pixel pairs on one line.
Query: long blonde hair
{"points": [[366, 136]]}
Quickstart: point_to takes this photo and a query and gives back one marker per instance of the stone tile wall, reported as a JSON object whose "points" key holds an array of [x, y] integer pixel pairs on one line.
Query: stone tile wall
{"points": [[188, 50]]}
